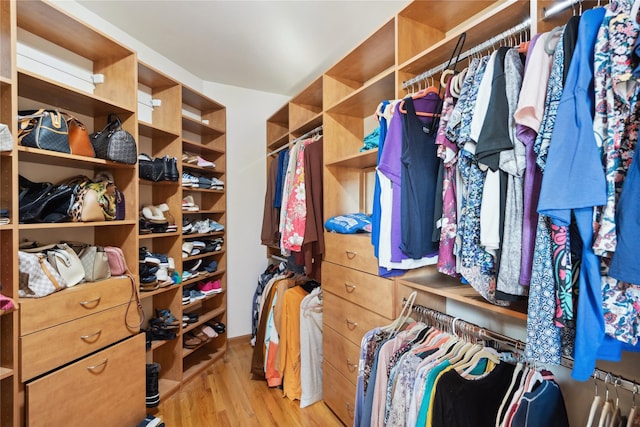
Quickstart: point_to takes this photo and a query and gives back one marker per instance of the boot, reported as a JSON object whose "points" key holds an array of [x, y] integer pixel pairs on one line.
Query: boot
{"points": [[153, 392]]}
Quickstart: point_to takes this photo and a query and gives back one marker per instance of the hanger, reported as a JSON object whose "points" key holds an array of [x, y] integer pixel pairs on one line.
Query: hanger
{"points": [[404, 316], [616, 416], [596, 404], [634, 413], [421, 94], [607, 409]]}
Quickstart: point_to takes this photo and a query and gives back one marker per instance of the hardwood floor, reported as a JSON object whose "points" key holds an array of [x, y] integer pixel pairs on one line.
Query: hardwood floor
{"points": [[225, 395]]}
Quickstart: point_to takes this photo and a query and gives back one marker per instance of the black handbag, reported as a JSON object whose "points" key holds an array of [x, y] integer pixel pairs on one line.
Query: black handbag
{"points": [[43, 201], [45, 129], [151, 170], [114, 143]]}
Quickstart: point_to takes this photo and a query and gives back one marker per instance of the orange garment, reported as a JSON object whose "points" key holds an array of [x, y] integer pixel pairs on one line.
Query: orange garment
{"points": [[290, 342]]}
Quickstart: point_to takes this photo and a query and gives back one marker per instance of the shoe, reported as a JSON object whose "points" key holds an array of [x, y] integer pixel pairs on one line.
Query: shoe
{"points": [[215, 226], [204, 163], [164, 208], [172, 174], [168, 318], [196, 295], [186, 275], [147, 257], [190, 317], [187, 249], [188, 180], [192, 266], [209, 331], [209, 288], [191, 341], [212, 266], [187, 227], [154, 215], [186, 297], [217, 326], [153, 391], [7, 305]]}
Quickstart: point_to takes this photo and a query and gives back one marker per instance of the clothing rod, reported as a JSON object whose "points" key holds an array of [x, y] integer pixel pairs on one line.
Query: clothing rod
{"points": [[558, 7], [483, 333], [492, 41], [311, 132], [279, 258]]}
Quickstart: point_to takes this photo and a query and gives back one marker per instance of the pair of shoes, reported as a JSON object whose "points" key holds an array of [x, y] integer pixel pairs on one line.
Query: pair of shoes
{"points": [[190, 317], [219, 327], [166, 318], [211, 266], [151, 421], [189, 204], [152, 388], [144, 256], [189, 180], [211, 287], [194, 159]]}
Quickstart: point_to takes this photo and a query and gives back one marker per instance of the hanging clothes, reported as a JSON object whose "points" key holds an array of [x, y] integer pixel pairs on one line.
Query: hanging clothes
{"points": [[311, 348]]}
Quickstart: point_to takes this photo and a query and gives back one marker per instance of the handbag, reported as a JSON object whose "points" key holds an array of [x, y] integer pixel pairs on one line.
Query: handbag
{"points": [[45, 129], [85, 206], [94, 260], [6, 139], [67, 263], [79, 141], [43, 201], [113, 196], [114, 143], [37, 277], [117, 263], [151, 170]]}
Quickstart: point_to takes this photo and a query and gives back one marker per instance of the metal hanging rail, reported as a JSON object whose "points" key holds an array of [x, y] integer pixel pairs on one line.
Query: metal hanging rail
{"points": [[463, 328], [558, 7], [284, 147], [483, 46]]}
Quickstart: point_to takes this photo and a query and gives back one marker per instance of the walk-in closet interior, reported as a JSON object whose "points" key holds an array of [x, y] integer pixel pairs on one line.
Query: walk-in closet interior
{"points": [[440, 231]]}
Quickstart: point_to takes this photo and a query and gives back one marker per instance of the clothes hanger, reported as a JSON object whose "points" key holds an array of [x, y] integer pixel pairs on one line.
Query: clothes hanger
{"points": [[595, 404], [404, 316], [616, 416], [634, 414], [607, 409]]}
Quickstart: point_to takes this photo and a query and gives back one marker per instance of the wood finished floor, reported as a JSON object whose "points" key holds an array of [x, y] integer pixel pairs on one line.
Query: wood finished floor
{"points": [[225, 395]]}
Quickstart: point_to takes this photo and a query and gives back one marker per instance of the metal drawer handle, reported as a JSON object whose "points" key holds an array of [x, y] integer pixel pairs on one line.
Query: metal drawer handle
{"points": [[104, 362], [350, 288], [86, 337], [86, 303], [351, 254], [349, 408], [351, 325], [351, 366]]}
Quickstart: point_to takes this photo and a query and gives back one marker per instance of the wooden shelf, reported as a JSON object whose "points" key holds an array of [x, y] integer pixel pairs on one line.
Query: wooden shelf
{"points": [[204, 255], [158, 235], [5, 81], [196, 126], [202, 190], [212, 234], [200, 360], [307, 126], [156, 344], [42, 89], [202, 276], [42, 226], [149, 76], [363, 102], [204, 318], [366, 159], [207, 315], [158, 291], [5, 372], [167, 387], [196, 147], [204, 211], [165, 183], [151, 131], [430, 281], [216, 171], [37, 155], [197, 100]]}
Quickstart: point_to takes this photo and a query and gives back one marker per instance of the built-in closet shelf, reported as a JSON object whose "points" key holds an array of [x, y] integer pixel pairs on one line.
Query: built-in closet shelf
{"points": [[148, 294], [202, 190], [198, 148], [168, 387], [308, 126], [156, 344], [279, 142], [196, 100], [42, 226], [37, 155], [158, 235], [366, 159], [67, 31], [278, 125], [7, 227], [5, 372], [204, 255], [200, 360], [363, 102], [194, 305], [204, 211], [430, 281], [5, 81], [6, 153], [159, 183], [39, 88], [202, 276], [217, 171], [213, 234], [497, 18], [204, 318], [149, 76], [197, 126], [151, 131]]}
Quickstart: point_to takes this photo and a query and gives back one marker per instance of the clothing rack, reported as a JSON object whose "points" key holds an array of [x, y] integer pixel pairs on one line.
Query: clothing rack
{"points": [[559, 7], [479, 48], [279, 258], [284, 147], [466, 329]]}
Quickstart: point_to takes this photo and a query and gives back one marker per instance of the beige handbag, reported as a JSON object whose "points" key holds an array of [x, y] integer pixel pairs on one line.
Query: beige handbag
{"points": [[67, 263]]}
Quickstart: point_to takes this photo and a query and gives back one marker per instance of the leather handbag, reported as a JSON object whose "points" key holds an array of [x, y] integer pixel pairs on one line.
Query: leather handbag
{"points": [[79, 141], [38, 278], [151, 170], [43, 201], [113, 196], [67, 263], [117, 263], [114, 143], [45, 129], [95, 263]]}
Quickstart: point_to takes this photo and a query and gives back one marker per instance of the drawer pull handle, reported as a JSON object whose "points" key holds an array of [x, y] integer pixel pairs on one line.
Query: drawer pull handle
{"points": [[351, 366], [86, 337], [351, 254], [91, 301], [349, 408], [350, 288], [93, 368], [351, 325]]}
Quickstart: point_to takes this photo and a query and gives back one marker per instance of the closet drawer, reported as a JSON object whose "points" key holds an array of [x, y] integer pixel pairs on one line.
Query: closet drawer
{"points": [[106, 389], [338, 393], [341, 353], [372, 292], [49, 348], [351, 250], [72, 303], [350, 320]]}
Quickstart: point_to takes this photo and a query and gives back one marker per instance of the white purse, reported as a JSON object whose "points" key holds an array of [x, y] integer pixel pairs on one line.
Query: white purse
{"points": [[6, 140], [67, 263]]}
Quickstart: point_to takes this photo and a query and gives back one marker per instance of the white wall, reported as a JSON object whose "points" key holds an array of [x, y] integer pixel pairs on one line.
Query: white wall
{"points": [[247, 112]]}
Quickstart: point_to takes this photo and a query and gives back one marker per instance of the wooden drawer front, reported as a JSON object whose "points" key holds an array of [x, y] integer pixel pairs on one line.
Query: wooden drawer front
{"points": [[350, 320], [106, 389], [72, 303], [372, 292], [338, 393], [341, 353], [351, 250], [45, 350]]}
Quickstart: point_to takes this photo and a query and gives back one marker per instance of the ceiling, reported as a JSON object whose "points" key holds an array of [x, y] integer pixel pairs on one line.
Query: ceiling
{"points": [[272, 46]]}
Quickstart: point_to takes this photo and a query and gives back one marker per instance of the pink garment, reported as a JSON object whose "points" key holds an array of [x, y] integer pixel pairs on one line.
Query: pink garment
{"points": [[296, 216]]}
